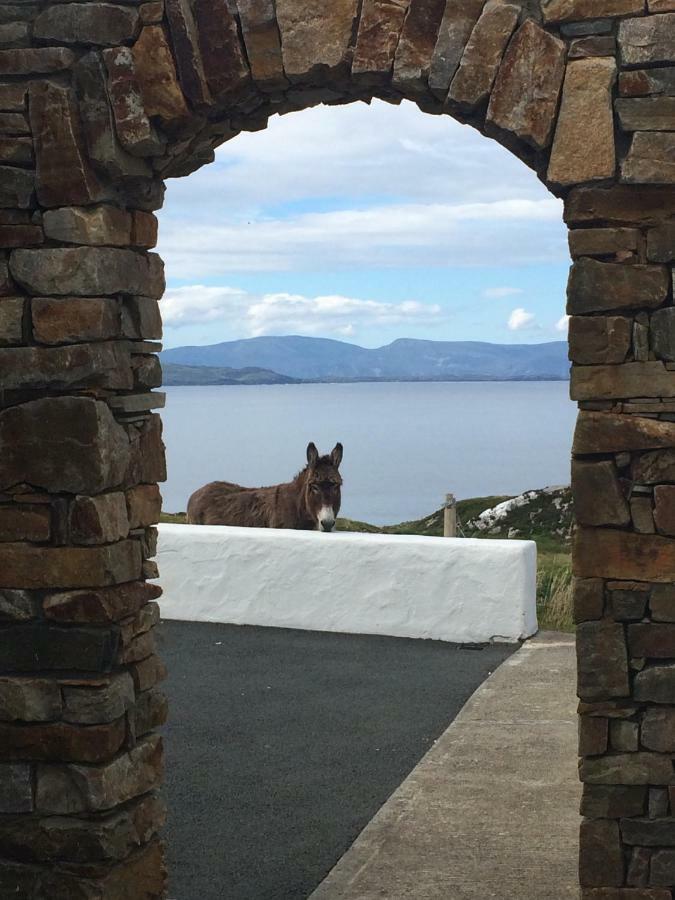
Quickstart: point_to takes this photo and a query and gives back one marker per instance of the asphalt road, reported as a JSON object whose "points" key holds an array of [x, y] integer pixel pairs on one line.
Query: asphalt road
{"points": [[283, 744]]}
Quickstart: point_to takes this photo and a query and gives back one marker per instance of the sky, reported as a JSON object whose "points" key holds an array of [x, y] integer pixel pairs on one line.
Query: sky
{"points": [[364, 224]]}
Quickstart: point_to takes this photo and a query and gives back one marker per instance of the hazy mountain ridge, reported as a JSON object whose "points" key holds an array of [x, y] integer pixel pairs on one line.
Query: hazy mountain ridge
{"points": [[323, 359], [176, 374]]}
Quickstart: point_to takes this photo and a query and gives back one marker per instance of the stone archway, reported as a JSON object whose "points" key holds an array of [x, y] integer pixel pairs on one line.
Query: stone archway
{"points": [[103, 101]]}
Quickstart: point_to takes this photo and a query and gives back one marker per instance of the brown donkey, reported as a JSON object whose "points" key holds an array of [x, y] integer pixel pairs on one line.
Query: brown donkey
{"points": [[310, 502]]}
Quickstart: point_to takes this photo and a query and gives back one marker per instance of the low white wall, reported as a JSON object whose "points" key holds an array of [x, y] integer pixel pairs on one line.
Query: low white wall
{"points": [[460, 590]]}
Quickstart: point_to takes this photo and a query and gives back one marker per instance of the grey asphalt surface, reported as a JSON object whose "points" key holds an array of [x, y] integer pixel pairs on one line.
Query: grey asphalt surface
{"points": [[282, 745]]}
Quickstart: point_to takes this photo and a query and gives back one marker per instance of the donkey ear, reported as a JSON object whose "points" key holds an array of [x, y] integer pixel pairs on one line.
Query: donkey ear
{"points": [[336, 455], [312, 454]]}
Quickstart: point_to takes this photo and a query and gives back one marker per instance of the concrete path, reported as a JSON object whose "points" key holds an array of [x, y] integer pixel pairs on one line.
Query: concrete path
{"points": [[491, 810]]}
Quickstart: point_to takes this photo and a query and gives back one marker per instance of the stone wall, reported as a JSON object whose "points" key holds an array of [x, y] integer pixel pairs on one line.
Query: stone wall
{"points": [[99, 103]]}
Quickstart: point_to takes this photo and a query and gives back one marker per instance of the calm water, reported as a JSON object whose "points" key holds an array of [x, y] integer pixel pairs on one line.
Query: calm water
{"points": [[406, 445]]}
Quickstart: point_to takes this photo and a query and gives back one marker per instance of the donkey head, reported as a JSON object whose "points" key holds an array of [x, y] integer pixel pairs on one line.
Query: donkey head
{"points": [[322, 487]]}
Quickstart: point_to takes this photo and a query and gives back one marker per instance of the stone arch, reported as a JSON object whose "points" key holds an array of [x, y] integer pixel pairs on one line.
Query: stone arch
{"points": [[100, 102]]}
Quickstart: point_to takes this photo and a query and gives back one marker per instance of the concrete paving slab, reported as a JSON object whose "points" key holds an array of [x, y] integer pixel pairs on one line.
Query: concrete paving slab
{"points": [[491, 811]]}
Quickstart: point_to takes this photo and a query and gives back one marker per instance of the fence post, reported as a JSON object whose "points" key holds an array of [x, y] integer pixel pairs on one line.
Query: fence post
{"points": [[450, 516]]}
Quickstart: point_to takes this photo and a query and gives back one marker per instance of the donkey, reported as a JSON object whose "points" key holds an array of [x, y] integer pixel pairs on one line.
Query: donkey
{"points": [[310, 502]]}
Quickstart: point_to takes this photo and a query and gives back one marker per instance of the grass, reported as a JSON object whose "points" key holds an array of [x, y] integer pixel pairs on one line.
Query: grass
{"points": [[554, 590]]}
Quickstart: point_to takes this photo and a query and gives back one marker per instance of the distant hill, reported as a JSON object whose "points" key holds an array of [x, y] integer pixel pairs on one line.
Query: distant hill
{"points": [[322, 359], [177, 374]]}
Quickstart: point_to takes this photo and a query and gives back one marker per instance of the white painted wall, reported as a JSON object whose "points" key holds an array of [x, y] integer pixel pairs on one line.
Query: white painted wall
{"points": [[449, 589]]}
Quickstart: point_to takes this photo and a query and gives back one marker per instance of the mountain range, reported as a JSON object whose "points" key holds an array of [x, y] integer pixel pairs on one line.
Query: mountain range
{"points": [[299, 358]]}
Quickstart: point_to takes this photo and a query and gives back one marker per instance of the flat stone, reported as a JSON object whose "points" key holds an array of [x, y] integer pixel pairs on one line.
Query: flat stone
{"points": [[147, 372], [589, 599], [148, 462], [646, 82], [598, 497], [151, 712], [18, 151], [93, 225], [599, 339], [593, 732], [580, 155], [576, 10], [148, 672], [17, 188], [80, 446], [62, 742], [377, 38], [141, 319], [99, 520], [13, 96], [662, 603], [646, 113], [64, 175], [611, 433], [664, 509], [17, 606], [103, 24], [29, 700], [591, 47], [186, 51], [11, 320], [524, 99], [627, 768], [607, 553], [655, 684], [144, 505], [628, 605], [595, 286], [65, 320], [76, 789], [25, 523], [651, 641], [29, 567], [35, 60], [88, 271], [633, 379], [650, 39], [662, 333], [144, 229], [651, 159], [16, 789], [263, 43], [151, 13], [658, 729], [14, 34], [133, 127], [157, 78], [106, 365], [624, 735], [600, 854], [483, 53], [586, 27], [315, 37], [600, 801], [661, 244], [224, 65], [602, 665], [621, 204], [662, 864], [21, 235], [416, 45], [641, 514], [654, 467], [100, 606], [91, 706], [13, 123], [648, 832], [458, 22]]}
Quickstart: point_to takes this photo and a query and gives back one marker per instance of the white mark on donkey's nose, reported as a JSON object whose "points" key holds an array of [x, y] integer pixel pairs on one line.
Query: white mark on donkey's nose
{"points": [[326, 518]]}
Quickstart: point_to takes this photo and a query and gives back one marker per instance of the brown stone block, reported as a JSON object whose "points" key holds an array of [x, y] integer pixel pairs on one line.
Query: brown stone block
{"points": [[664, 509], [94, 23], [633, 379], [94, 705], [647, 40], [593, 733], [148, 673], [11, 320], [648, 832], [612, 709], [592, 46], [13, 96], [144, 229], [100, 606], [150, 712], [628, 605], [651, 468], [658, 729], [661, 244], [64, 175], [483, 53], [143, 873], [37, 646], [35, 61], [98, 520], [17, 606], [601, 801], [263, 43], [595, 286], [148, 462], [223, 58], [21, 235], [578, 10], [315, 38], [16, 789], [624, 735], [81, 447], [416, 45], [602, 241], [651, 641], [28, 567], [600, 854], [662, 866], [651, 159], [75, 789], [598, 496], [144, 505], [24, 523], [609, 553], [141, 319], [134, 129], [151, 13], [641, 514], [61, 742], [646, 113], [147, 372], [645, 82], [67, 320], [524, 99], [621, 204], [16, 151], [104, 225], [156, 74], [29, 700], [88, 271], [378, 35], [662, 603], [655, 684], [629, 769], [186, 50], [589, 599], [106, 365], [602, 665], [580, 155], [17, 188]]}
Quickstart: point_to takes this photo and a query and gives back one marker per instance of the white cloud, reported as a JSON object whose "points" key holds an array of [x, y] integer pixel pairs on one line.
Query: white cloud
{"points": [[498, 292], [520, 319], [283, 313], [562, 324]]}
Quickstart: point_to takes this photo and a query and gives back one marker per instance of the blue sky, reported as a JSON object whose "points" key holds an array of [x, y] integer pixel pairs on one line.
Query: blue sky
{"points": [[366, 224]]}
